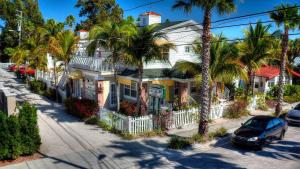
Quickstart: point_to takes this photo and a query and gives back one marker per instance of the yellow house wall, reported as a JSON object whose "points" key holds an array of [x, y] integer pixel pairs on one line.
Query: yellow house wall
{"points": [[166, 84], [106, 92]]}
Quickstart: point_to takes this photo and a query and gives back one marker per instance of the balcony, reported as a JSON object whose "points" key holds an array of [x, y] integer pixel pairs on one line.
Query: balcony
{"points": [[91, 64]]}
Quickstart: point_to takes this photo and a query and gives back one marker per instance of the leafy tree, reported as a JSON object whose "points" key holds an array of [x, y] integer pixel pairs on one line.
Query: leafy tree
{"points": [[144, 47], [223, 65], [221, 6], [70, 20], [62, 46], [97, 12], [293, 50], [113, 37], [32, 18], [288, 16], [255, 50]]}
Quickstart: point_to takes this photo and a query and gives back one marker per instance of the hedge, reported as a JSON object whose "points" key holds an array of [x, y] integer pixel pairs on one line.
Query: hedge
{"points": [[19, 134]]}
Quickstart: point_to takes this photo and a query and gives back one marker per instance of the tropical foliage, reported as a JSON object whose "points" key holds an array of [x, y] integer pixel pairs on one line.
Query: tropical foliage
{"points": [[288, 16], [145, 46], [221, 6]]}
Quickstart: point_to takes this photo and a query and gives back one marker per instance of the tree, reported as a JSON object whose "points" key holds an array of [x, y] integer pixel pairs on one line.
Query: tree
{"points": [[32, 18], [255, 50], [62, 46], [97, 12], [113, 37], [145, 46], [221, 6], [293, 50], [70, 20], [223, 65], [288, 16]]}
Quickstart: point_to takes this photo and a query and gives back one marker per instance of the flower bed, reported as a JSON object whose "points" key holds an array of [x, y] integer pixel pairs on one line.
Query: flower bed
{"points": [[81, 108]]}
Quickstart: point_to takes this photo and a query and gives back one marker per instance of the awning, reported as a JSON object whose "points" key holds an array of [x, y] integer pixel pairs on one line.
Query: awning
{"points": [[75, 75]]}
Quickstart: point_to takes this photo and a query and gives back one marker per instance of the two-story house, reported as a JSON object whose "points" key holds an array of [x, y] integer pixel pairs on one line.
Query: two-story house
{"points": [[92, 78]]}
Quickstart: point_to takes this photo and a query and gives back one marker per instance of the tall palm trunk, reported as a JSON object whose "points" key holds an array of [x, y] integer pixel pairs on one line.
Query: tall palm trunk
{"points": [[140, 89], [284, 46], [203, 125]]}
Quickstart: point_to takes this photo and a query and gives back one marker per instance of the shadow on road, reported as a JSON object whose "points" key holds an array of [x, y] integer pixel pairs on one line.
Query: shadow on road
{"points": [[146, 155]]}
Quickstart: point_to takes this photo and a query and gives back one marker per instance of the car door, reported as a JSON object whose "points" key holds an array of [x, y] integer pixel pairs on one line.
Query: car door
{"points": [[269, 131]]}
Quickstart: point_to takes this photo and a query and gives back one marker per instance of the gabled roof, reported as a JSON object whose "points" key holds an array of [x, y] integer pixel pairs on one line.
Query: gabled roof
{"points": [[268, 72], [168, 24]]}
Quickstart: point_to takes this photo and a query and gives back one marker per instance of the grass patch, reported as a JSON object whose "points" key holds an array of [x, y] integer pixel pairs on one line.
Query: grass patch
{"points": [[179, 143]]}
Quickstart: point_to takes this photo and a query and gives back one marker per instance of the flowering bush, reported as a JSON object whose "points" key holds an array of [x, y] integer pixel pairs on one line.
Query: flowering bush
{"points": [[81, 108], [128, 108], [163, 120], [237, 110]]}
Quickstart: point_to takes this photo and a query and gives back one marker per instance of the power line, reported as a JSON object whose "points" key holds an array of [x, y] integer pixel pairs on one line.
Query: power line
{"points": [[242, 16], [143, 5], [227, 26]]}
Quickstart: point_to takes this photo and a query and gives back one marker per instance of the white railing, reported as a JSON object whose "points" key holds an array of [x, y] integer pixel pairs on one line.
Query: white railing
{"points": [[91, 63], [5, 65], [128, 124]]}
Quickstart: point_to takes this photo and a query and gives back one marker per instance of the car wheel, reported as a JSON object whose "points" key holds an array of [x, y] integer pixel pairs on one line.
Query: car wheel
{"points": [[282, 135]]}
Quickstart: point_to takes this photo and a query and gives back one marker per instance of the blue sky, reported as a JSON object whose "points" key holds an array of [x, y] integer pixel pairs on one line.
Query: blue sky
{"points": [[60, 9]]}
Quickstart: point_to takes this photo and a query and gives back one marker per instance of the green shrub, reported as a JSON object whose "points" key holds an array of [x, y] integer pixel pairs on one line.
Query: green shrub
{"points": [[19, 134], [236, 110], [178, 143], [81, 108], [198, 138], [292, 99], [291, 93], [104, 125], [91, 120], [37, 86], [220, 132], [30, 138]]}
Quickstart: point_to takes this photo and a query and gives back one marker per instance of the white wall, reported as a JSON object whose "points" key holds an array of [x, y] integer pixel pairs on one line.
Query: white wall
{"points": [[180, 38], [149, 19]]}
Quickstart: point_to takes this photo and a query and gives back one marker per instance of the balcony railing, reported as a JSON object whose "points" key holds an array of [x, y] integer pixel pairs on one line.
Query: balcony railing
{"points": [[91, 64]]}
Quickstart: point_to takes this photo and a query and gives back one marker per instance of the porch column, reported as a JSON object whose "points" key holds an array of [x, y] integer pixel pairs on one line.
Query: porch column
{"points": [[183, 93], [144, 94], [99, 93]]}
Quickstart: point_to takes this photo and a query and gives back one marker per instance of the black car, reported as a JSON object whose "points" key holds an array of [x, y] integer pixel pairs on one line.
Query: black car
{"points": [[259, 130]]}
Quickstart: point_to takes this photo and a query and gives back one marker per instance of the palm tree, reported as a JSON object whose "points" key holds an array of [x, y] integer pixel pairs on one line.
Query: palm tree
{"points": [[287, 16], [70, 20], [255, 50], [223, 66], [145, 46], [221, 6], [113, 37], [294, 50], [62, 47]]}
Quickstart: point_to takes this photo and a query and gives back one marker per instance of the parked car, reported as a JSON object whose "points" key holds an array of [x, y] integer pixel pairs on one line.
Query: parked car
{"points": [[293, 116], [30, 72], [259, 130], [12, 67]]}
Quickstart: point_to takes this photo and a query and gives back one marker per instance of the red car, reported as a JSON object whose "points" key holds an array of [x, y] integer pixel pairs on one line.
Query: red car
{"points": [[30, 72], [14, 67]]}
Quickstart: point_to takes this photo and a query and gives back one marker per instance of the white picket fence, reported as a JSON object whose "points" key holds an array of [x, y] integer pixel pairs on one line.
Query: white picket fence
{"points": [[183, 117], [136, 125], [127, 124]]}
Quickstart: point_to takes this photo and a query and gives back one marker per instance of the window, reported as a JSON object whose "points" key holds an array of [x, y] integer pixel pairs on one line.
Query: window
{"points": [[144, 21], [271, 83], [176, 88], [270, 124], [187, 49], [131, 90], [113, 94], [193, 87], [256, 85]]}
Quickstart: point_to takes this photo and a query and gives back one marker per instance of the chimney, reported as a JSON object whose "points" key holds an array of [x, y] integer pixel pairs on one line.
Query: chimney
{"points": [[149, 18]]}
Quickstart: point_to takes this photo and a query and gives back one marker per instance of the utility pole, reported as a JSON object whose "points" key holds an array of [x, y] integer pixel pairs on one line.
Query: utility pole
{"points": [[20, 18]]}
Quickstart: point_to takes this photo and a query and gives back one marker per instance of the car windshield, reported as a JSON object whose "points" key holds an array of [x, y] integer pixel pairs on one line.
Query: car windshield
{"points": [[258, 124], [297, 107]]}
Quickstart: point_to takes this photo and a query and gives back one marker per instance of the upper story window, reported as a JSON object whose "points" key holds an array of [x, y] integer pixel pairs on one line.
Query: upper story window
{"points": [[187, 49], [144, 21]]}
